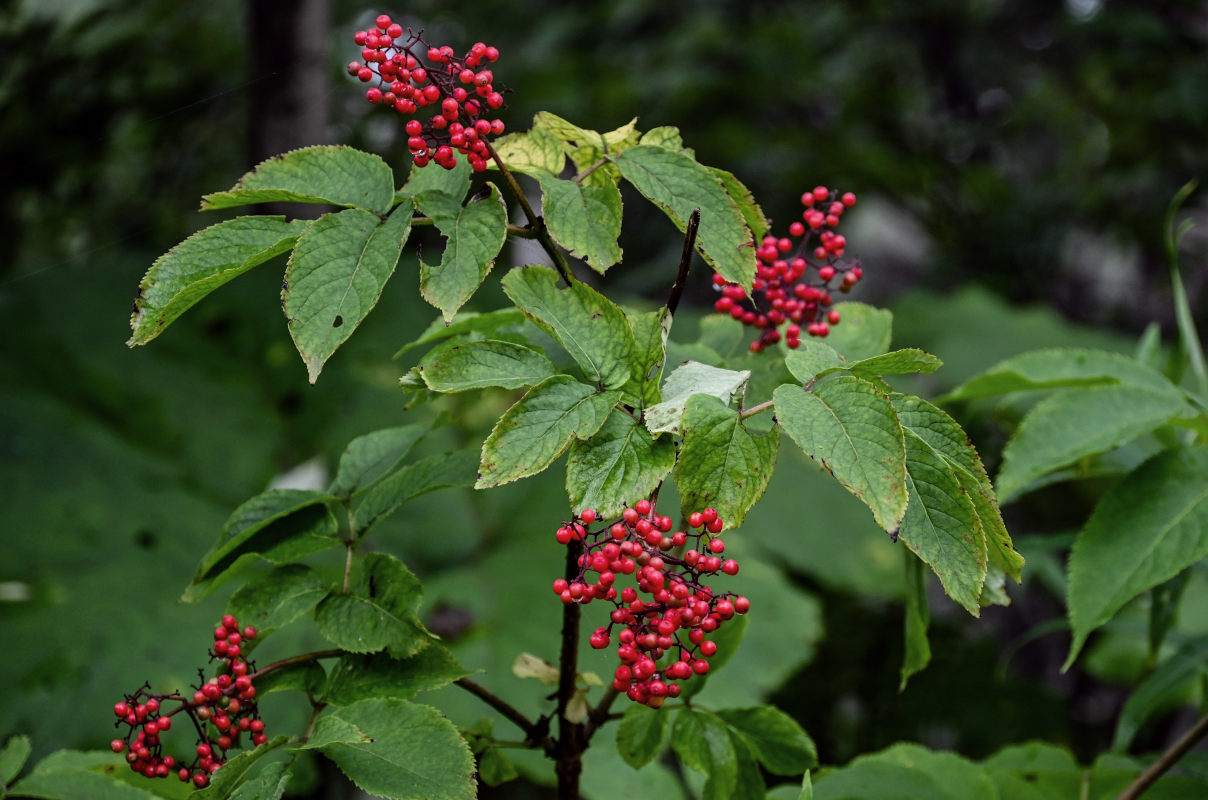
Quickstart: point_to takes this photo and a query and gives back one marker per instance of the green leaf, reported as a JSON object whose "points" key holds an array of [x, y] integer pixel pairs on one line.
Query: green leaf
{"points": [[415, 753], [466, 322], [814, 359], [379, 613], [1047, 767], [440, 471], [918, 618], [728, 639], [722, 464], [748, 778], [667, 137], [948, 440], [640, 734], [495, 768], [336, 275], [849, 427], [367, 458], [1164, 602], [906, 772], [77, 784], [483, 363], [1161, 690], [725, 336], [333, 729], [742, 197], [531, 152], [774, 737], [200, 264], [333, 174], [232, 774], [14, 755], [650, 331], [453, 182], [899, 362], [539, 427], [586, 220], [361, 677], [279, 597], [279, 525], [685, 381], [474, 236], [1057, 368], [864, 331], [1075, 423], [268, 784], [308, 677], [678, 185], [616, 464], [702, 742], [1150, 527], [941, 525], [590, 326]]}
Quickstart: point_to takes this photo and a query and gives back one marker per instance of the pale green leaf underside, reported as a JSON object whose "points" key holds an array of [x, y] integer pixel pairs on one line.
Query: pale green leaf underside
{"points": [[539, 427], [678, 185], [591, 327], [941, 525], [200, 264], [1150, 527], [474, 235], [335, 174], [415, 753], [849, 427], [1075, 423], [689, 379], [336, 275], [721, 464], [586, 220], [618, 463], [484, 363]]}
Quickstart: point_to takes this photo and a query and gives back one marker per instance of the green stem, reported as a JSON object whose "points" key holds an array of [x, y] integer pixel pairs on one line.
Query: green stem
{"points": [[759, 409]]}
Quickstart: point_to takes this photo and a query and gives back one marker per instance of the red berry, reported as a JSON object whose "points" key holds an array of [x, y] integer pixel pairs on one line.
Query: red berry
{"points": [[117, 745], [383, 21]]}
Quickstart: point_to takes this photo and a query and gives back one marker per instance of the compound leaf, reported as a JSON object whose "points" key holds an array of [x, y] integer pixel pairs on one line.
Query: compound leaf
{"points": [[678, 185], [336, 275], [591, 327], [482, 363], [849, 427], [413, 752], [619, 462], [722, 464], [201, 263], [335, 174], [474, 235], [539, 427]]}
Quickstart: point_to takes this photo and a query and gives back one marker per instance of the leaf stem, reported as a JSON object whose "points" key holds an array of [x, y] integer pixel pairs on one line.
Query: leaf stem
{"points": [[532, 731], [589, 170], [536, 222], [681, 277], [302, 658], [1165, 761], [759, 409]]}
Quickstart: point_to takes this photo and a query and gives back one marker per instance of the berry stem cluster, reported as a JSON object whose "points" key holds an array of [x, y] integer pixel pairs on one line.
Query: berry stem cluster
{"points": [[795, 276], [222, 709], [664, 634], [460, 89]]}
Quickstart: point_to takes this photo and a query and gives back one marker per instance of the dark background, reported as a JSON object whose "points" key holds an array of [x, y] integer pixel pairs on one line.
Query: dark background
{"points": [[1014, 161]]}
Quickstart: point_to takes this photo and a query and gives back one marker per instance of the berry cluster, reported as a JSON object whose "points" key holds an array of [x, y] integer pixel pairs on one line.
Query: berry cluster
{"points": [[222, 709], [662, 638], [795, 274], [461, 90]]}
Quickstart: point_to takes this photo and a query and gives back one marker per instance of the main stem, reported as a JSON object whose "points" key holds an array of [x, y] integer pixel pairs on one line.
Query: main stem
{"points": [[571, 742]]}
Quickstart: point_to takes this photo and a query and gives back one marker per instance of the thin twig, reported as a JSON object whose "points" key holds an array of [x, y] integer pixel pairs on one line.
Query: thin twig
{"points": [[1165, 761], [298, 659], [536, 222], [599, 714], [531, 730], [681, 277]]}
